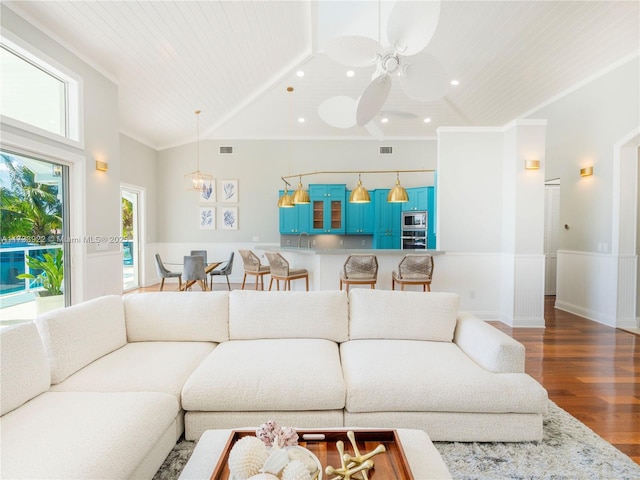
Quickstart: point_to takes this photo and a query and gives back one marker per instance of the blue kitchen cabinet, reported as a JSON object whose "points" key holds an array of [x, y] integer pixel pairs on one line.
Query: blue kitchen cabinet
{"points": [[294, 220], [431, 217], [327, 208], [418, 199], [360, 217], [387, 230]]}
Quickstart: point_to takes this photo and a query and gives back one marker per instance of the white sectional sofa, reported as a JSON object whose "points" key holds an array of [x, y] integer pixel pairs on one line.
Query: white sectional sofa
{"points": [[105, 388]]}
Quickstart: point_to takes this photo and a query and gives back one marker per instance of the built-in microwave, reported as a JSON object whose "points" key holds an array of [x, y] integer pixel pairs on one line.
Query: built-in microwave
{"points": [[414, 220]]}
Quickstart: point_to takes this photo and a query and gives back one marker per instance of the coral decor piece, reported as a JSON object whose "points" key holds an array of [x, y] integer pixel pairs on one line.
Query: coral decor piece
{"points": [[353, 466], [272, 434], [296, 470]]}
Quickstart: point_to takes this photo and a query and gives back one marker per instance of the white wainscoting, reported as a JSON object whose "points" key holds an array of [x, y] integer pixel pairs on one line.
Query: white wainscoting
{"points": [[600, 287], [103, 274], [529, 291]]}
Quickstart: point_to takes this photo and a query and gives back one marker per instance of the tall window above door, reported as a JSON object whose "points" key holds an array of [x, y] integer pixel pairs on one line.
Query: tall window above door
{"points": [[37, 95]]}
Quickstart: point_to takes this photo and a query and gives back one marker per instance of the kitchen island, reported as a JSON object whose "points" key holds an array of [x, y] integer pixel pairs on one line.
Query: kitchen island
{"points": [[324, 264]]}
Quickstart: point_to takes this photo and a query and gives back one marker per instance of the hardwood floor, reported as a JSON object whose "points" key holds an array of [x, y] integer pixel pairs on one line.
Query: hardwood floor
{"points": [[589, 370]]}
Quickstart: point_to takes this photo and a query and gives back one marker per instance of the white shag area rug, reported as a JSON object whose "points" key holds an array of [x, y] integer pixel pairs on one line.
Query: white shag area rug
{"points": [[568, 451]]}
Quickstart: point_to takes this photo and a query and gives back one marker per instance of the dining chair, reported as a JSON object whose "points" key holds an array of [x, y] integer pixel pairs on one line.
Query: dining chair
{"points": [[164, 272], [226, 271], [413, 269], [359, 269], [202, 253], [252, 266], [280, 270], [193, 271]]}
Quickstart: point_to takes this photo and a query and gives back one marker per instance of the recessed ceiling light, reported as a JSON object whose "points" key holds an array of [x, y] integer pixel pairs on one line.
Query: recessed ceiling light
{"points": [[300, 73], [300, 120], [427, 120], [384, 120], [350, 73], [455, 82]]}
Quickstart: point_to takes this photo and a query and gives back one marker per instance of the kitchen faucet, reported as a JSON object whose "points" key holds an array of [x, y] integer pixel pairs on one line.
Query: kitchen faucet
{"points": [[308, 240]]}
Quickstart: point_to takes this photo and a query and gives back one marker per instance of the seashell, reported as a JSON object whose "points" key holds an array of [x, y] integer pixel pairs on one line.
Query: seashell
{"points": [[305, 456], [263, 476], [296, 470], [247, 457], [276, 461]]}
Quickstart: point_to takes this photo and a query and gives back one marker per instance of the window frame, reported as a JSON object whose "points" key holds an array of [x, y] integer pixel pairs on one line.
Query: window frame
{"points": [[74, 118]]}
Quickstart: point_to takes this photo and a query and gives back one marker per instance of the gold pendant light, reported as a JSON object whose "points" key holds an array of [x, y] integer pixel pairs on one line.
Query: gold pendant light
{"points": [[359, 194], [286, 200], [398, 194], [198, 181], [301, 196]]}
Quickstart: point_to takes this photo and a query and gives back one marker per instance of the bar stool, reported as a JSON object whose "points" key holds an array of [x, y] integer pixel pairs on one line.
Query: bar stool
{"points": [[252, 266], [359, 269], [413, 269], [280, 270]]}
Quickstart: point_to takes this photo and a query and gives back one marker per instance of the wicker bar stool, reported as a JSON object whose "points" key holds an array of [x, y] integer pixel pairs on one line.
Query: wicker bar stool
{"points": [[413, 269], [280, 270], [359, 269], [252, 266]]}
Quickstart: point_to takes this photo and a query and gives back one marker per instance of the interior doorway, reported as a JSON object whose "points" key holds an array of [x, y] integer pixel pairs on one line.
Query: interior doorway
{"points": [[551, 234], [130, 199]]}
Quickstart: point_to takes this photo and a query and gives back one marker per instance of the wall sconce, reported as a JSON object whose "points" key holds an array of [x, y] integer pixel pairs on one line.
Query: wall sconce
{"points": [[102, 166], [532, 164], [586, 171]]}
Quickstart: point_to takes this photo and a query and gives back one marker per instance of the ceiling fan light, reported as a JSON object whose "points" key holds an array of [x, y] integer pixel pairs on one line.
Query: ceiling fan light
{"points": [[398, 194]]}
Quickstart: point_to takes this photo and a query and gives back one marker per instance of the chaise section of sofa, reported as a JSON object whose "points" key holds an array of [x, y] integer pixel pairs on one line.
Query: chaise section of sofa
{"points": [[75, 435], [149, 342], [281, 362], [403, 369]]}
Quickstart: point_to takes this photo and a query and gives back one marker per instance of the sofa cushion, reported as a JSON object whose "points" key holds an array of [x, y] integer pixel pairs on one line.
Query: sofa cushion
{"points": [[177, 317], [402, 315], [84, 435], [255, 375], [24, 370], [418, 376], [256, 314], [75, 336], [140, 367]]}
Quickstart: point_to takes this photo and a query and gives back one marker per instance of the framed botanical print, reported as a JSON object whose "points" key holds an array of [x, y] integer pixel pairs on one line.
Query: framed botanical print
{"points": [[207, 218], [229, 191], [229, 218]]}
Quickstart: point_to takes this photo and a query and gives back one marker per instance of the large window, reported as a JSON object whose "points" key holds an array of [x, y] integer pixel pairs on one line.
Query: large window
{"points": [[37, 95]]}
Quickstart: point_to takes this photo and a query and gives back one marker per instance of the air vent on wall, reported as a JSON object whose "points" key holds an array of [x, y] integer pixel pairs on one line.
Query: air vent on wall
{"points": [[386, 150], [226, 150]]}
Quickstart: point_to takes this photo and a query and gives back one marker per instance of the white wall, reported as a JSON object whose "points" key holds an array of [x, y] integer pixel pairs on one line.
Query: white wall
{"points": [[100, 271], [258, 166]]}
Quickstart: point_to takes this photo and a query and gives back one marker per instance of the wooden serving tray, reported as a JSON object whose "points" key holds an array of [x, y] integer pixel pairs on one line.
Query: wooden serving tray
{"points": [[390, 465]]}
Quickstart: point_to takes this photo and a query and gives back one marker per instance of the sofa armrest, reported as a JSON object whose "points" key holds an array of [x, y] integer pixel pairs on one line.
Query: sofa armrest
{"points": [[487, 346]]}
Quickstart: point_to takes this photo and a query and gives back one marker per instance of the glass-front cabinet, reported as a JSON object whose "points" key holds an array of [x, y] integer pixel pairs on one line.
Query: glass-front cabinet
{"points": [[327, 208]]}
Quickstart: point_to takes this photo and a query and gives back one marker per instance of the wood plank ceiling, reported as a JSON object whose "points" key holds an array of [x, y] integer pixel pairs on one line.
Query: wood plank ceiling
{"points": [[234, 60]]}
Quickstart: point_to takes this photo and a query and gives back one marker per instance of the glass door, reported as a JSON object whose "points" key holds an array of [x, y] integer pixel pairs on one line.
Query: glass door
{"points": [[130, 239], [34, 271]]}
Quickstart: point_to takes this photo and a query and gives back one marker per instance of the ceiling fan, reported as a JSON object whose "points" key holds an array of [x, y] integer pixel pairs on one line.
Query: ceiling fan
{"points": [[410, 27]]}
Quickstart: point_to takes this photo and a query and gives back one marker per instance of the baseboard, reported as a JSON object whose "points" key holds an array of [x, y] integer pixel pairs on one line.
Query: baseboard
{"points": [[586, 313]]}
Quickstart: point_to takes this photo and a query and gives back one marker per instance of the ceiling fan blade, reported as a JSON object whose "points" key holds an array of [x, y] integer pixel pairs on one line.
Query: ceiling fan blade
{"points": [[353, 51], [374, 130], [339, 112], [423, 78], [372, 99], [411, 25]]}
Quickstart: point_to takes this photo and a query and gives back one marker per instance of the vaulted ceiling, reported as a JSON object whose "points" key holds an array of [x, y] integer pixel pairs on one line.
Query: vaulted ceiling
{"points": [[234, 60]]}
